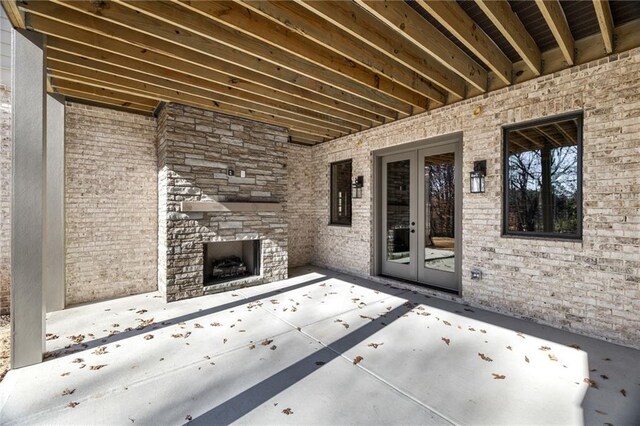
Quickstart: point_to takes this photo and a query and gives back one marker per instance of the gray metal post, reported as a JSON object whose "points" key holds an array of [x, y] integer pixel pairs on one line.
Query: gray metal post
{"points": [[54, 221], [27, 207]]}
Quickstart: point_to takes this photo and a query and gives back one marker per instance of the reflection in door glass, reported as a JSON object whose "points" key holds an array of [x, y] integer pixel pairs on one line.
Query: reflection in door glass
{"points": [[439, 227], [398, 213]]}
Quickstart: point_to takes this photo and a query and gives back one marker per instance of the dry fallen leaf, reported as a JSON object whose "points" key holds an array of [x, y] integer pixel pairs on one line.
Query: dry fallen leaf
{"points": [[198, 326], [484, 357], [72, 404], [77, 360], [526, 358], [447, 323], [623, 392], [483, 331], [472, 329], [345, 325], [177, 336], [68, 391], [357, 359], [50, 336], [100, 351], [266, 342], [375, 345], [509, 347], [519, 333], [498, 376], [319, 362], [273, 348], [552, 357], [544, 348], [574, 346], [97, 367], [188, 418], [601, 412], [141, 311], [287, 411], [224, 341], [591, 383], [604, 376], [148, 337], [65, 374], [216, 324], [252, 346], [444, 339]]}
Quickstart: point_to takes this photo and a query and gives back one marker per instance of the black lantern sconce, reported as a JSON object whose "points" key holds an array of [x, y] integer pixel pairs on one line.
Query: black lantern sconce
{"points": [[358, 183], [477, 176]]}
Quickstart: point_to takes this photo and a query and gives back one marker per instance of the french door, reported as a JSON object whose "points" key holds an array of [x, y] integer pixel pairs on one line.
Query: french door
{"points": [[420, 221]]}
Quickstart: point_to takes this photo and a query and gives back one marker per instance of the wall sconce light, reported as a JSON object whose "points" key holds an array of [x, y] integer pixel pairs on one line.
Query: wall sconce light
{"points": [[358, 183], [477, 176]]}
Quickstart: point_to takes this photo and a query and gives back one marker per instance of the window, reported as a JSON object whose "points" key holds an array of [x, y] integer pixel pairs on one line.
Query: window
{"points": [[543, 178], [341, 193]]}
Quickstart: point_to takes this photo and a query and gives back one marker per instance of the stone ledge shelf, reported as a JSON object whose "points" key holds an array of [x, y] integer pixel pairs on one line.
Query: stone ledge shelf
{"points": [[229, 206]]}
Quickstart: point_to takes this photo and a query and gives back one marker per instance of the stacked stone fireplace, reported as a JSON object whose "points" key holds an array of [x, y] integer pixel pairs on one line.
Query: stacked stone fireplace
{"points": [[208, 162]]}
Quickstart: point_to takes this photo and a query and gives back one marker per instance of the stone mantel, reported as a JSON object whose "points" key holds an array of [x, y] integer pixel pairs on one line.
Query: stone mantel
{"points": [[219, 206]]}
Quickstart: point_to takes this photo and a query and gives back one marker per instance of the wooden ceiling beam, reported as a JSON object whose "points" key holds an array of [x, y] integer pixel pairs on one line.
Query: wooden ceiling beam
{"points": [[206, 30], [451, 16], [605, 21], [556, 20], [120, 84], [14, 14], [305, 23], [68, 63], [364, 27], [407, 22], [81, 42], [110, 31], [510, 26], [104, 95]]}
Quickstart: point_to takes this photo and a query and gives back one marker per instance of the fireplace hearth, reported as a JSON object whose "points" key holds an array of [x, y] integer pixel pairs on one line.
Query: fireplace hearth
{"points": [[230, 261]]}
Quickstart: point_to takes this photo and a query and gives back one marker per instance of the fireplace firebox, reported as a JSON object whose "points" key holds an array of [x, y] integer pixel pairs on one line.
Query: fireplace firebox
{"points": [[231, 260]]}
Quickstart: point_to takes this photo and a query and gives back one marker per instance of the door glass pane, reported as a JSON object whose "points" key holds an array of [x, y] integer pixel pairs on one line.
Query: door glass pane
{"points": [[398, 214], [439, 227]]}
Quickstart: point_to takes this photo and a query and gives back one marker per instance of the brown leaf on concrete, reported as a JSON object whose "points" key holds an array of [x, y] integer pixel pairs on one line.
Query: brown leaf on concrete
{"points": [[544, 348], [116, 325], [526, 358], [177, 336], [469, 310], [77, 361], [148, 337], [483, 331], [498, 376], [68, 391], [77, 339], [266, 342], [50, 336], [552, 357], [447, 323], [601, 412], [65, 374], [287, 411], [591, 383], [623, 392], [604, 376], [320, 362], [574, 346], [273, 348], [216, 324], [188, 418], [72, 404], [198, 326], [97, 367], [345, 325], [509, 347], [519, 333], [606, 359], [447, 341], [357, 360], [100, 351], [224, 341], [375, 345], [484, 357]]}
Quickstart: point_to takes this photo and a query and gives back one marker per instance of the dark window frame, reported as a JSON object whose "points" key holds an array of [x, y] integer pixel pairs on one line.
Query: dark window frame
{"points": [[333, 197], [577, 236]]}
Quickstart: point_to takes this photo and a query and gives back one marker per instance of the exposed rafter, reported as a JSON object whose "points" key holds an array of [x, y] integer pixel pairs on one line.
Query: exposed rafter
{"points": [[409, 24], [605, 21], [508, 23], [13, 13], [556, 20], [365, 28], [451, 16]]}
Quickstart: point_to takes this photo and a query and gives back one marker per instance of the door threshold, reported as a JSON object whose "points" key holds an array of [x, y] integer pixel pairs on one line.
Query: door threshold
{"points": [[431, 288]]}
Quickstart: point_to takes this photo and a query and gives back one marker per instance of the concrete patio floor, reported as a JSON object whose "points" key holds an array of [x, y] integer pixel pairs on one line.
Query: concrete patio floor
{"points": [[288, 352]]}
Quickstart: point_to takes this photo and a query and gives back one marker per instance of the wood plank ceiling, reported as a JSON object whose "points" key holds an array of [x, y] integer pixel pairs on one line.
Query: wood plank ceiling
{"points": [[323, 69]]}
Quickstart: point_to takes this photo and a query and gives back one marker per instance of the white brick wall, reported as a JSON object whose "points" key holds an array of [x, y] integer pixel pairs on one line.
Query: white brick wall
{"points": [[111, 203], [590, 287]]}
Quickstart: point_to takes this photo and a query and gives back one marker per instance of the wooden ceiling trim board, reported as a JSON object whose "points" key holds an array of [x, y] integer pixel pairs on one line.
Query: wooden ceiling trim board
{"points": [[556, 20], [457, 22], [13, 13], [408, 23], [305, 23], [129, 33], [98, 79], [182, 26], [605, 21], [83, 43], [508, 23], [67, 62]]}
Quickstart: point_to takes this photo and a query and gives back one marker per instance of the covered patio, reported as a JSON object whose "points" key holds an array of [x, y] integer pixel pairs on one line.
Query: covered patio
{"points": [[320, 212], [317, 348]]}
